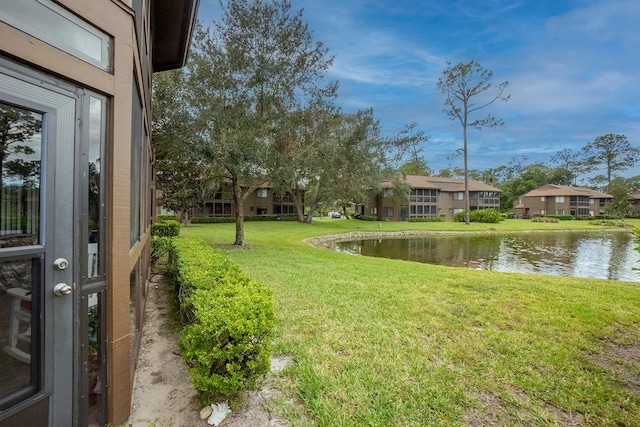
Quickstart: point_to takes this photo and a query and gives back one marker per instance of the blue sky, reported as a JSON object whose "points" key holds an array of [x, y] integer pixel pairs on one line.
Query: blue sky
{"points": [[573, 68]]}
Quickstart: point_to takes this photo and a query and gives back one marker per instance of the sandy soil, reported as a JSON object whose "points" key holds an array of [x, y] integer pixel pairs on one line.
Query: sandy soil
{"points": [[163, 395]]}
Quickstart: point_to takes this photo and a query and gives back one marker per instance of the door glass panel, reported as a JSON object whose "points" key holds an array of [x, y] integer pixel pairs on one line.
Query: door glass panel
{"points": [[95, 375], [94, 214], [19, 337], [20, 160]]}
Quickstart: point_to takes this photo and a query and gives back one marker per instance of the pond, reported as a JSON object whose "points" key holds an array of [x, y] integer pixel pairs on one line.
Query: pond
{"points": [[602, 255]]}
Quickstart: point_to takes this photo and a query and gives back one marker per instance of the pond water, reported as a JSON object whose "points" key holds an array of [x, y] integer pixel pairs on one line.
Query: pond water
{"points": [[602, 255]]}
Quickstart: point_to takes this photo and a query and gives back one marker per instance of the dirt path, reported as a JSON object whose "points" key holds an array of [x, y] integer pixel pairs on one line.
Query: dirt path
{"points": [[163, 395]]}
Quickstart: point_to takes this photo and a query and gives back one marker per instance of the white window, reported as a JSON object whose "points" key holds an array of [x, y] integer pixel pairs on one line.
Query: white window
{"points": [[591, 201], [458, 196], [374, 211], [542, 199], [455, 211], [388, 212], [386, 193], [542, 212], [559, 211], [559, 199], [262, 192]]}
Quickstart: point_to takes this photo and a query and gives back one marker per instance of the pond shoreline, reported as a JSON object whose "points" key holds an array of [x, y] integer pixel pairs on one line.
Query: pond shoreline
{"points": [[327, 240]]}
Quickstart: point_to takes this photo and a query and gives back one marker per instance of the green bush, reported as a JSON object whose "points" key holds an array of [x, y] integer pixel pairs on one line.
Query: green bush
{"points": [[161, 218], [160, 247], [560, 217], [168, 228], [229, 318], [436, 219], [489, 216], [545, 219], [367, 217], [229, 219]]}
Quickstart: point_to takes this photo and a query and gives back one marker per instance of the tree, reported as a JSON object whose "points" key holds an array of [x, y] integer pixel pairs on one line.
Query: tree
{"points": [[334, 158], [463, 84], [416, 165], [612, 152], [183, 180], [531, 177], [620, 205], [573, 161], [246, 77]]}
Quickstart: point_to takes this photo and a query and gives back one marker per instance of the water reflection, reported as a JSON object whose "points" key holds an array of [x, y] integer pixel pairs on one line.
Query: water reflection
{"points": [[602, 255]]}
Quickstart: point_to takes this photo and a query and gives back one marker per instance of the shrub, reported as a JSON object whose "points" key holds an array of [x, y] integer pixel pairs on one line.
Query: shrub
{"points": [[160, 247], [229, 318], [367, 217], [162, 232], [161, 218], [168, 228], [490, 216], [545, 219], [229, 219], [560, 217], [436, 219]]}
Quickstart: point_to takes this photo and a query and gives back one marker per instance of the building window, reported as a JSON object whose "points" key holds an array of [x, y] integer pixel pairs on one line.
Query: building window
{"points": [[43, 18], [542, 199], [458, 196], [388, 211], [591, 201], [261, 192], [386, 193], [136, 160], [559, 199], [542, 212], [559, 211], [455, 211], [374, 211]]}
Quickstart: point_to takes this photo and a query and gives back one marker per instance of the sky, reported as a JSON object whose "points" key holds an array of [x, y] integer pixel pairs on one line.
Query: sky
{"points": [[573, 68]]}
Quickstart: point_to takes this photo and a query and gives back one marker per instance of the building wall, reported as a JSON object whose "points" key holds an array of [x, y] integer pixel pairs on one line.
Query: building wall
{"points": [[123, 260], [263, 201], [386, 209]]}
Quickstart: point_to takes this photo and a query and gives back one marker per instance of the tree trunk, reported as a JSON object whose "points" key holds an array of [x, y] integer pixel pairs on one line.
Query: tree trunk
{"points": [[298, 202], [239, 210], [467, 205]]}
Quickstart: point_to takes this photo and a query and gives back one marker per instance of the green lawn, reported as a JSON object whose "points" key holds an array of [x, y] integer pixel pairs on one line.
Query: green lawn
{"points": [[380, 342]]}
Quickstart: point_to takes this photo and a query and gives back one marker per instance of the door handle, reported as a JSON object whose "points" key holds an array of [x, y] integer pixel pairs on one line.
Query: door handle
{"points": [[61, 289]]}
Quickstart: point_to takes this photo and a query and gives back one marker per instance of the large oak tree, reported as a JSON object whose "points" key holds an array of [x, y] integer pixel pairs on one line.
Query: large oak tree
{"points": [[257, 65]]}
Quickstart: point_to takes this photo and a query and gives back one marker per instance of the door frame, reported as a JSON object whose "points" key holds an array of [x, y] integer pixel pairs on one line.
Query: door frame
{"points": [[58, 102]]}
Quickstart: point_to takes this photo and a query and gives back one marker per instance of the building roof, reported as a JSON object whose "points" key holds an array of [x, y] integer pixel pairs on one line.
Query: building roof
{"points": [[172, 25], [443, 184], [552, 190]]}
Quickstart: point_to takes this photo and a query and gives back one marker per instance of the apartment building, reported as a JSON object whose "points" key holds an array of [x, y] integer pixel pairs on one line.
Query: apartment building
{"points": [[431, 197], [552, 199]]}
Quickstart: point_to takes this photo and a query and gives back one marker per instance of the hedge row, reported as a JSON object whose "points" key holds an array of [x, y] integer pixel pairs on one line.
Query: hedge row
{"points": [[229, 320], [227, 219], [490, 216], [440, 218], [162, 233]]}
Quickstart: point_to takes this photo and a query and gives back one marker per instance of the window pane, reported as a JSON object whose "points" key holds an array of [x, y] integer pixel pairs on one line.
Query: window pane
{"points": [[54, 25], [136, 153], [19, 374], [94, 212], [20, 160]]}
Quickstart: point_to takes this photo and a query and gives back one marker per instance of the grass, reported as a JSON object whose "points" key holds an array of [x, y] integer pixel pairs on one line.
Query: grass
{"points": [[381, 342]]}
